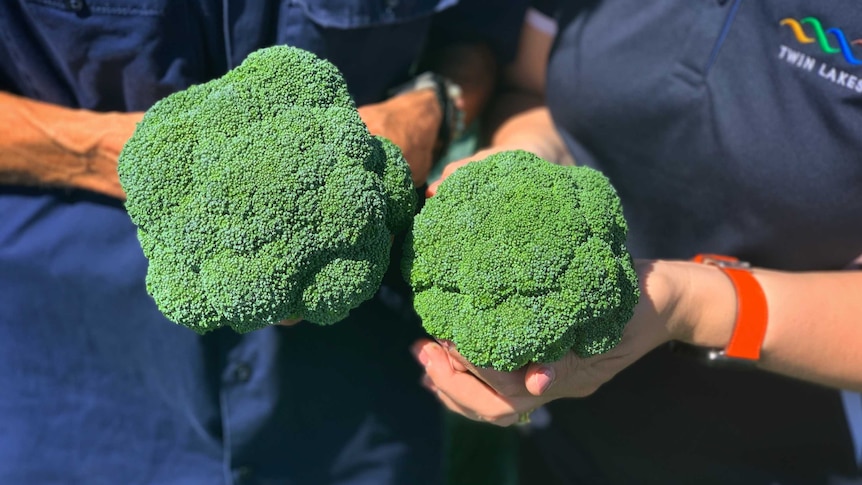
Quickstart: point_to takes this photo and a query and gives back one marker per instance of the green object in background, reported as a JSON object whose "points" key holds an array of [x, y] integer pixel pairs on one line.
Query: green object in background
{"points": [[475, 453]]}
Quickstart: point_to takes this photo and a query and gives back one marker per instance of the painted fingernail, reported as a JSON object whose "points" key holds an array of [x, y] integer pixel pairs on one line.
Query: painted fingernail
{"points": [[418, 352], [423, 358], [544, 378]]}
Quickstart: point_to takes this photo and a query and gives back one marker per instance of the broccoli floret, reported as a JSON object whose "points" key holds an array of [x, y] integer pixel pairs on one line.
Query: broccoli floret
{"points": [[518, 260], [261, 196]]}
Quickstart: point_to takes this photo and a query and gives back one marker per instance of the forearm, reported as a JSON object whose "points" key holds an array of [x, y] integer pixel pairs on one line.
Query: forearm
{"points": [[520, 120], [412, 120], [51, 146], [814, 328], [518, 117], [473, 67]]}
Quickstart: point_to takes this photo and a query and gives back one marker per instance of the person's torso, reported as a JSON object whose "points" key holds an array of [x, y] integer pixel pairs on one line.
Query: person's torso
{"points": [[98, 386], [727, 126], [124, 55]]}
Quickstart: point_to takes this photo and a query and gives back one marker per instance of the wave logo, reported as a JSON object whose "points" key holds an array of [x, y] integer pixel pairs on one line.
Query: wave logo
{"points": [[821, 36]]}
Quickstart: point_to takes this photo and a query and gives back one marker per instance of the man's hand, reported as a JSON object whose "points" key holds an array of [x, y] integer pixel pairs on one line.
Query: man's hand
{"points": [[411, 121]]}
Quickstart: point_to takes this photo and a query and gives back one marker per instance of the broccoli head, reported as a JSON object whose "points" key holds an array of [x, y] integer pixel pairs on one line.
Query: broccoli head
{"points": [[261, 196], [518, 260]]}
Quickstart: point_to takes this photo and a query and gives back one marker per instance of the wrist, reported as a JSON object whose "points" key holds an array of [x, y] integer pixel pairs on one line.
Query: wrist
{"points": [[449, 101], [702, 303], [118, 128]]}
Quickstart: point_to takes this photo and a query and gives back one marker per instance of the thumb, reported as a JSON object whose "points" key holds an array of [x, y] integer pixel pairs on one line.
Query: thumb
{"points": [[539, 378], [432, 189]]}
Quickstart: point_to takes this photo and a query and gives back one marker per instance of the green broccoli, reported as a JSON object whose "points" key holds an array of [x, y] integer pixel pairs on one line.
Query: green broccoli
{"points": [[518, 260], [261, 196]]}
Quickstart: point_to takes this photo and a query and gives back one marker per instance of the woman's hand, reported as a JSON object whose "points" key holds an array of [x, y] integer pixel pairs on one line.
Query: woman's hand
{"points": [[504, 398]]}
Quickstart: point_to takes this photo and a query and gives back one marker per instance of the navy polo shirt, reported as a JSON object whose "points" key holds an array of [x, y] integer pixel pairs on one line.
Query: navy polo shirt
{"points": [[727, 126], [96, 386]]}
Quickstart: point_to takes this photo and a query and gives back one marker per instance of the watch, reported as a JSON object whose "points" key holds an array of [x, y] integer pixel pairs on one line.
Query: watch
{"points": [[752, 314], [448, 96]]}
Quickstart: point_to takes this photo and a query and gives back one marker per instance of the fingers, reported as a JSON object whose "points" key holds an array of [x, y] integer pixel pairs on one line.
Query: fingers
{"points": [[464, 393], [571, 376], [505, 420], [432, 188], [539, 378], [450, 168], [510, 384], [290, 322]]}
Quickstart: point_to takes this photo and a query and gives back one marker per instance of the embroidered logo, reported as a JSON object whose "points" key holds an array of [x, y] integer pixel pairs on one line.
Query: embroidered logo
{"points": [[822, 39], [832, 41]]}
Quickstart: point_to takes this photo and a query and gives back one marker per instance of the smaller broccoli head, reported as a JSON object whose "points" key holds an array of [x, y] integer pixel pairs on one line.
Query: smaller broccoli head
{"points": [[517, 260], [261, 196]]}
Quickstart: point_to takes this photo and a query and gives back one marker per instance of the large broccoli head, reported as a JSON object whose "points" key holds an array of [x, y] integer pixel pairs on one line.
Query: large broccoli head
{"points": [[260, 196], [517, 260]]}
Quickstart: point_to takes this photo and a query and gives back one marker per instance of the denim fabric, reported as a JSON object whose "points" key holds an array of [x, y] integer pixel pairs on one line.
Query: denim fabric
{"points": [[96, 386]]}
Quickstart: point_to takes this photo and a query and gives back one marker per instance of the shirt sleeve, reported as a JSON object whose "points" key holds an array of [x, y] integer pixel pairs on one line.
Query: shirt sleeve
{"points": [[541, 21]]}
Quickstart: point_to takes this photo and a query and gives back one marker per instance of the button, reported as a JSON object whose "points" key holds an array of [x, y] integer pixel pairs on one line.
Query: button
{"points": [[242, 373]]}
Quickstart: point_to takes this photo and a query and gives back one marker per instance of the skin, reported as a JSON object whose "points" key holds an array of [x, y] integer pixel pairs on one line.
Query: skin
{"points": [[813, 329], [812, 334], [52, 146]]}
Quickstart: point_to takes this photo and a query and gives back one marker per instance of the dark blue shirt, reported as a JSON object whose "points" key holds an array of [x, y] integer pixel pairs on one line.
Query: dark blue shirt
{"points": [[727, 126], [96, 386]]}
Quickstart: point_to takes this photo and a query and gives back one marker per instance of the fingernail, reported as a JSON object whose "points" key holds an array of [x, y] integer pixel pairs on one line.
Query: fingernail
{"points": [[544, 378], [420, 355], [448, 345], [423, 358]]}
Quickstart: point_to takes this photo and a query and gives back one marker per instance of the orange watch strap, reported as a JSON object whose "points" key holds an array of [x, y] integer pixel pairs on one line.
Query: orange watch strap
{"points": [[752, 313]]}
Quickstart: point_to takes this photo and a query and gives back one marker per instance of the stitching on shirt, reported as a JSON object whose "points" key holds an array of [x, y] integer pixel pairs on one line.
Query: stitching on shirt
{"points": [[728, 23], [106, 7]]}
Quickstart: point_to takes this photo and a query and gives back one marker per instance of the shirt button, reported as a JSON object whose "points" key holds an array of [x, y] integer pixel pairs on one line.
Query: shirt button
{"points": [[242, 373]]}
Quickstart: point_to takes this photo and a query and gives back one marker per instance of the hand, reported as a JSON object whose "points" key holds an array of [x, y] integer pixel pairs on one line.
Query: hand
{"points": [[451, 167], [501, 398], [411, 121], [289, 322], [528, 143]]}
